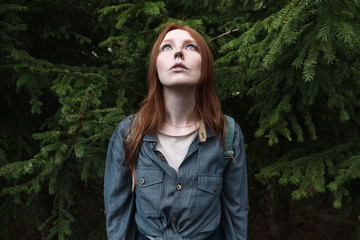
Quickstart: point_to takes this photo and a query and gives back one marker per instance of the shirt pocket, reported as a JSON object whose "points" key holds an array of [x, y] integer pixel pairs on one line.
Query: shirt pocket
{"points": [[148, 191], [208, 192]]}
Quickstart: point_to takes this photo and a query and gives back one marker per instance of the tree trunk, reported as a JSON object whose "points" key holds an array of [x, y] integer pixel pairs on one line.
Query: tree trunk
{"points": [[280, 217]]}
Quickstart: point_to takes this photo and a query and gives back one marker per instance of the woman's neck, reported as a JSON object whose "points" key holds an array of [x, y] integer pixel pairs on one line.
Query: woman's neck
{"points": [[179, 106]]}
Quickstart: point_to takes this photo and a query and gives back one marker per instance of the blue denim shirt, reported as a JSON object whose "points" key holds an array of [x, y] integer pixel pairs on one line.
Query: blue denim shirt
{"points": [[166, 205]]}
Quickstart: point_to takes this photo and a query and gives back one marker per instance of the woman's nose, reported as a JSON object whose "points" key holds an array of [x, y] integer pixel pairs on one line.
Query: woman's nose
{"points": [[179, 54]]}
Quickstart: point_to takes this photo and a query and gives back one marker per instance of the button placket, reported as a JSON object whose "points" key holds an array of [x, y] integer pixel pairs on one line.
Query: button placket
{"points": [[176, 204]]}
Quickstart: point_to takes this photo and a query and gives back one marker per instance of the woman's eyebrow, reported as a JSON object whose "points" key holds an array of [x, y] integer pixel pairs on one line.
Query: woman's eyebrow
{"points": [[172, 40], [168, 40], [189, 41]]}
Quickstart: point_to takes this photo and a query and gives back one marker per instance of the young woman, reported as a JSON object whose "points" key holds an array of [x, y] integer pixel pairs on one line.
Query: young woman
{"points": [[165, 177]]}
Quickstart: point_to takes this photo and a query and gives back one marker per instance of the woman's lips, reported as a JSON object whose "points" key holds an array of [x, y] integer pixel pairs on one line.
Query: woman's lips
{"points": [[178, 67]]}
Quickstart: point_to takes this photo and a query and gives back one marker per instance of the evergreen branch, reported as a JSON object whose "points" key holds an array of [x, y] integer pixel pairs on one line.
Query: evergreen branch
{"points": [[224, 34], [341, 26], [61, 224], [7, 171], [291, 169], [68, 70], [73, 107], [274, 50], [101, 111], [310, 63], [326, 31], [34, 183], [83, 114], [292, 7], [99, 135], [48, 134], [345, 32], [16, 189], [112, 120], [48, 148], [330, 10]]}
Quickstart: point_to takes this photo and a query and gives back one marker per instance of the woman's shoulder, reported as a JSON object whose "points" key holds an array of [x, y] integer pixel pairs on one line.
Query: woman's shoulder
{"points": [[121, 131], [126, 121]]}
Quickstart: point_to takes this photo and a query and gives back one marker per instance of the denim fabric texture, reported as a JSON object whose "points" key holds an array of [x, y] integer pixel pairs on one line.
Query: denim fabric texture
{"points": [[216, 235], [188, 205]]}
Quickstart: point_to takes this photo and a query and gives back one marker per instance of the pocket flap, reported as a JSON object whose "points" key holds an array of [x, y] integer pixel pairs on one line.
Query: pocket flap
{"points": [[148, 177], [210, 183]]}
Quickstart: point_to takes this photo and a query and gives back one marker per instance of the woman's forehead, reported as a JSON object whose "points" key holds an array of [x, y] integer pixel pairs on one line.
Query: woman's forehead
{"points": [[177, 34]]}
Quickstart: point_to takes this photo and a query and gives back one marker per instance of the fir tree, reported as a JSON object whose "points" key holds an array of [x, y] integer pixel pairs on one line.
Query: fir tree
{"points": [[57, 71], [286, 70], [298, 68], [301, 66]]}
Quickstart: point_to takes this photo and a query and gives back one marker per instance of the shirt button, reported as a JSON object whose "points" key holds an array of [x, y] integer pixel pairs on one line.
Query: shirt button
{"points": [[178, 187], [215, 189], [142, 181], [174, 219], [160, 156]]}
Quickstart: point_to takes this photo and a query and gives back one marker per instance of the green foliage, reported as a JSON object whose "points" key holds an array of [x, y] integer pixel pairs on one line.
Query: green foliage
{"points": [[310, 171], [71, 70], [74, 120], [299, 64]]}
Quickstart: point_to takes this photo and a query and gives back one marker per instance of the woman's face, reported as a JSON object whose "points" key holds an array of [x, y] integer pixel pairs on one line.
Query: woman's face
{"points": [[179, 61]]}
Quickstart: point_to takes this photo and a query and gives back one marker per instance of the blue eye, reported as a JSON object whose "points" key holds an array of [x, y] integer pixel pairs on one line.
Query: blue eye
{"points": [[166, 47], [191, 46]]}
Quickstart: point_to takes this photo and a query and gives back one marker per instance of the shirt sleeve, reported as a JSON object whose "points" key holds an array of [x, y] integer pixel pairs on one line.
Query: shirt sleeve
{"points": [[118, 199], [234, 196]]}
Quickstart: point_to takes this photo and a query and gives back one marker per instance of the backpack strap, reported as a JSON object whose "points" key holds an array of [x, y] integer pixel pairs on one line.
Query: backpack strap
{"points": [[228, 152]]}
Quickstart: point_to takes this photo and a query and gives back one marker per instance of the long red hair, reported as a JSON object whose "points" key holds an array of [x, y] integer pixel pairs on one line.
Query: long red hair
{"points": [[151, 114]]}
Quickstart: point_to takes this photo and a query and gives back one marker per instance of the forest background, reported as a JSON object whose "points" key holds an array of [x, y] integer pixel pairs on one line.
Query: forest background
{"points": [[288, 71]]}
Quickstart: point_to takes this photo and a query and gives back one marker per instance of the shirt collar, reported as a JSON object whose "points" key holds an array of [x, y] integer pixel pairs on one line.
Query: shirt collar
{"points": [[204, 133]]}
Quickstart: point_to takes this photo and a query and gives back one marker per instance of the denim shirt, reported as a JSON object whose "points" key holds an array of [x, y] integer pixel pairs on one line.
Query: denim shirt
{"points": [[166, 205]]}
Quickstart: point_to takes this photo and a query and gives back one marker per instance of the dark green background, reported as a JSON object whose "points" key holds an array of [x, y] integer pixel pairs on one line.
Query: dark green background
{"points": [[287, 71]]}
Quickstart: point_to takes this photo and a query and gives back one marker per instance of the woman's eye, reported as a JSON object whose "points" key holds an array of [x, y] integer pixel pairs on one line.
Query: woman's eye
{"points": [[191, 46], [166, 47]]}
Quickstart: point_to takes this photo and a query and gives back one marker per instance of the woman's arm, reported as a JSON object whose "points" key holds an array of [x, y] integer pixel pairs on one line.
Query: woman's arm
{"points": [[119, 201], [235, 192]]}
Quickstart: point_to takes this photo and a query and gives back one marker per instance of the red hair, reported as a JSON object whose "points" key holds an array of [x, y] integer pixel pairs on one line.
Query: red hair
{"points": [[151, 114]]}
